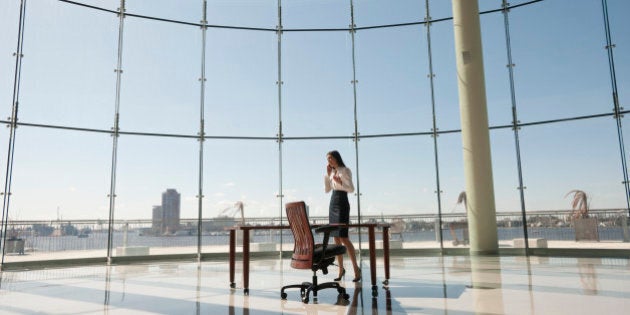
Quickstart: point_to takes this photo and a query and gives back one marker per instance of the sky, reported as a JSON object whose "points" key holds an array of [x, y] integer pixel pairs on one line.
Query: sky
{"points": [[68, 79]]}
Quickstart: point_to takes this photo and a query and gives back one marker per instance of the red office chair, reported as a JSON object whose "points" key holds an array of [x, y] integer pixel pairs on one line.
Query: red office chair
{"points": [[308, 255]]}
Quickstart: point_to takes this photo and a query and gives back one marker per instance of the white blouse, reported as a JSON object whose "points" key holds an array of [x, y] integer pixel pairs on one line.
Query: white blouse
{"points": [[346, 180]]}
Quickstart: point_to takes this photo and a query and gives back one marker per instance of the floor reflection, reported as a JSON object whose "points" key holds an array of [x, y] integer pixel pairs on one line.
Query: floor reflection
{"points": [[419, 285], [588, 274]]}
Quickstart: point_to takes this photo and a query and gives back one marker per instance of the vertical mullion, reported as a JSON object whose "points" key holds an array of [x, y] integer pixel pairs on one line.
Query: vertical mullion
{"points": [[355, 136], [434, 129], [280, 135], [515, 122], [202, 133], [6, 194], [115, 133]]}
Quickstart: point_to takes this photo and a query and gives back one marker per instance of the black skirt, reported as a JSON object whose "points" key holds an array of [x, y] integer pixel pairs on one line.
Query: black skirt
{"points": [[339, 212]]}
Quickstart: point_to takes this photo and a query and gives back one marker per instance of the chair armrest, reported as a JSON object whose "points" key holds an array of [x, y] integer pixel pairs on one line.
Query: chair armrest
{"points": [[326, 228]]}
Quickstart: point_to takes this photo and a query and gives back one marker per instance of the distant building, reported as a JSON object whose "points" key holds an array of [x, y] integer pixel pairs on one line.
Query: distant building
{"points": [[170, 211], [157, 222], [165, 218]]}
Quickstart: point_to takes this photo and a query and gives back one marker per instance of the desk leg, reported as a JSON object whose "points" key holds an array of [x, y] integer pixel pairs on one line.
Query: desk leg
{"points": [[246, 262], [232, 256], [372, 260], [386, 253]]}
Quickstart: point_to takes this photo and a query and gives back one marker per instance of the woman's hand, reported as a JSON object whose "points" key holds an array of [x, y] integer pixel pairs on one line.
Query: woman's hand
{"points": [[329, 169], [337, 179]]}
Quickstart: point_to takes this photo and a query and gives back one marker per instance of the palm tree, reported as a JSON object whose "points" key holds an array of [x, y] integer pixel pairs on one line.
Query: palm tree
{"points": [[579, 204], [462, 199], [238, 207]]}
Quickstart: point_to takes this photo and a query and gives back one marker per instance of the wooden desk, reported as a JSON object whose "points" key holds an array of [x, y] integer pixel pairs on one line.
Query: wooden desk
{"points": [[371, 242]]}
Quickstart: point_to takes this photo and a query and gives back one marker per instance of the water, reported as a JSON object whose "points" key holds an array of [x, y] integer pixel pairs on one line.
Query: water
{"points": [[99, 240]]}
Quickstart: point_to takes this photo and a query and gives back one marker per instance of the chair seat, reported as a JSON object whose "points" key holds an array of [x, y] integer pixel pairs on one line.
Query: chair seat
{"points": [[332, 250]]}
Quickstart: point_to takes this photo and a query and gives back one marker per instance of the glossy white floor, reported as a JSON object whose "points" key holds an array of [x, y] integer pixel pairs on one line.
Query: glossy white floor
{"points": [[418, 285]]}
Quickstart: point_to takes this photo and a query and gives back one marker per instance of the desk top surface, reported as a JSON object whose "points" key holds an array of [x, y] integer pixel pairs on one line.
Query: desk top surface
{"points": [[280, 227]]}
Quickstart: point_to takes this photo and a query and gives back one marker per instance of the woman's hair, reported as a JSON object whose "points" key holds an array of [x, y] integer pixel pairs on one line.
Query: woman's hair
{"points": [[335, 154]]}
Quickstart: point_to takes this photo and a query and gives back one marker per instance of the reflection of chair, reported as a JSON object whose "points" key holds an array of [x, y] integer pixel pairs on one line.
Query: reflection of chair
{"points": [[308, 255]]}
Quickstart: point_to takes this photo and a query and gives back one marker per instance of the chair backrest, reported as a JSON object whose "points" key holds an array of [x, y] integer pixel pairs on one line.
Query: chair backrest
{"points": [[304, 243]]}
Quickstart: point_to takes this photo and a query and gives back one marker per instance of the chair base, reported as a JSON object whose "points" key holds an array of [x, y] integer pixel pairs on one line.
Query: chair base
{"points": [[307, 287]]}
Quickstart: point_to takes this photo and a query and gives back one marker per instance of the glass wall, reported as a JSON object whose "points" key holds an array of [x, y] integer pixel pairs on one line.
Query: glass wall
{"points": [[241, 95], [392, 97], [317, 94], [67, 76], [160, 93], [9, 22], [559, 76], [173, 124]]}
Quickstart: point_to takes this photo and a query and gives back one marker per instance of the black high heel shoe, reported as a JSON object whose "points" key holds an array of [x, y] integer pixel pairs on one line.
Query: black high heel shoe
{"points": [[343, 274], [357, 279]]}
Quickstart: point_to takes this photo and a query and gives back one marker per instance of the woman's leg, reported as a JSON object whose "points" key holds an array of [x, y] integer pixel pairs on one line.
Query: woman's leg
{"points": [[339, 257], [353, 258]]}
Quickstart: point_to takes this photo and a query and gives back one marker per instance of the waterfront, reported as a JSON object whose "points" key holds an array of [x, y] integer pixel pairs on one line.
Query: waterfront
{"points": [[95, 241]]}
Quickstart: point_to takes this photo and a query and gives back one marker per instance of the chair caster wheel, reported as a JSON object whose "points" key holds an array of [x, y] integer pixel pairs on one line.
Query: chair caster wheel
{"points": [[283, 296], [374, 291], [232, 285], [305, 300], [246, 291], [344, 296]]}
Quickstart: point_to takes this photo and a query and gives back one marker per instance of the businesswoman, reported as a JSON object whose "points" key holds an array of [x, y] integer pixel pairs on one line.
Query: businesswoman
{"points": [[338, 179]]}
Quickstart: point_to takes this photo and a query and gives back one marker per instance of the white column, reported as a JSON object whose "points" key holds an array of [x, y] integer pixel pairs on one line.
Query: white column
{"points": [[475, 133]]}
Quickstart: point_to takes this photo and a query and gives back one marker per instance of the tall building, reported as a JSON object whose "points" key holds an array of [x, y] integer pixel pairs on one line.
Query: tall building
{"points": [[170, 210], [157, 225]]}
